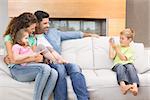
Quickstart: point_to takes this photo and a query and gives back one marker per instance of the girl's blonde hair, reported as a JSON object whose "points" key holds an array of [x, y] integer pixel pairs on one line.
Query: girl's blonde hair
{"points": [[129, 33]]}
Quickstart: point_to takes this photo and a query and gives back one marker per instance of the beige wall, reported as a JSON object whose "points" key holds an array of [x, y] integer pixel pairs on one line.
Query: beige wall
{"points": [[112, 10], [3, 15], [138, 17]]}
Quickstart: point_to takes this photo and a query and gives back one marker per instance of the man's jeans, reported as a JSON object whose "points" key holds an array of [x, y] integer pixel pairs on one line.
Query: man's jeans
{"points": [[126, 73], [44, 76], [77, 79]]}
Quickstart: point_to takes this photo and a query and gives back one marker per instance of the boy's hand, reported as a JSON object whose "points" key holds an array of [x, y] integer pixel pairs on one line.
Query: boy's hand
{"points": [[112, 43]]}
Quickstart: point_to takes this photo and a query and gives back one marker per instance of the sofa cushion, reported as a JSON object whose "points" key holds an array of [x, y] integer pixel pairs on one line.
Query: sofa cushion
{"points": [[3, 67], [78, 51], [101, 53], [141, 58]]}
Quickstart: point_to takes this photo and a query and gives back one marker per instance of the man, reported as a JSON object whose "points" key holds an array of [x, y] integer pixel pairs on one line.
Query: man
{"points": [[55, 38]]}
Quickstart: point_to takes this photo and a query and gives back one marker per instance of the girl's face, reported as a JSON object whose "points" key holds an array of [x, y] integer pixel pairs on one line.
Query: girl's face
{"points": [[124, 41], [31, 28], [25, 38]]}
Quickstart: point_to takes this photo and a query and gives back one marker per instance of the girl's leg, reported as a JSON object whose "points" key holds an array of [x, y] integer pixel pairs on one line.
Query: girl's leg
{"points": [[30, 72], [45, 52], [50, 85]]}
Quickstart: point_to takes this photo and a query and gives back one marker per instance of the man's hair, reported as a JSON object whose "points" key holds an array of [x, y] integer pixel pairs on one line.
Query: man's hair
{"points": [[128, 32], [40, 15]]}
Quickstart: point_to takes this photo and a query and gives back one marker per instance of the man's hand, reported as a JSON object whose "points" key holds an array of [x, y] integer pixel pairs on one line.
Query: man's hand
{"points": [[90, 35]]}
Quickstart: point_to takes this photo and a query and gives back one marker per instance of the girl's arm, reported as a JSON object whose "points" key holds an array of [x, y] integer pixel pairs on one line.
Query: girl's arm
{"points": [[9, 58], [21, 56], [57, 56]]}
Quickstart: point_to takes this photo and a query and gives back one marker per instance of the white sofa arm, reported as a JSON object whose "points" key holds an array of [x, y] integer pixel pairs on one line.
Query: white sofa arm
{"points": [[147, 51]]}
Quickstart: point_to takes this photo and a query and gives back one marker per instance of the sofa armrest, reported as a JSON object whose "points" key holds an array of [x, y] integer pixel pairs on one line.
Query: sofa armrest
{"points": [[147, 52]]}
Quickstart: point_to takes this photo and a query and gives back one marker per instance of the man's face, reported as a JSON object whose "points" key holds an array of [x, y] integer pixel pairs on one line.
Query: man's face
{"points": [[44, 25]]}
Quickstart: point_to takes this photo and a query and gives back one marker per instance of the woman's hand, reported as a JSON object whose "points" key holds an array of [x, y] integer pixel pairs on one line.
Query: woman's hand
{"points": [[9, 60]]}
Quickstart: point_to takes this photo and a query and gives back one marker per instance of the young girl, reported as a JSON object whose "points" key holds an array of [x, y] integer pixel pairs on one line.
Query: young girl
{"points": [[122, 55], [22, 50]]}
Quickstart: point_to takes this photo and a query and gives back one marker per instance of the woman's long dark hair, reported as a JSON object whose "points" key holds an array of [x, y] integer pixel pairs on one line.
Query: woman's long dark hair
{"points": [[22, 21]]}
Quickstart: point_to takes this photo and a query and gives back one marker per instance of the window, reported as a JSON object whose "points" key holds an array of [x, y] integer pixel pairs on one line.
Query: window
{"points": [[97, 26]]}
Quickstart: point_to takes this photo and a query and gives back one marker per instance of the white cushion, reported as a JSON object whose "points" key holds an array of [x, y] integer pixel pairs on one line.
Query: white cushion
{"points": [[78, 51], [101, 53], [3, 67], [141, 58]]}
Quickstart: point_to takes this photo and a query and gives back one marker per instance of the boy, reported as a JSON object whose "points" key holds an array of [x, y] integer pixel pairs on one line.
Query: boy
{"points": [[122, 55]]}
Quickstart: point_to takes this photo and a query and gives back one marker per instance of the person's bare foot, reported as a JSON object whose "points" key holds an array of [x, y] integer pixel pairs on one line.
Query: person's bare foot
{"points": [[125, 88], [134, 90]]}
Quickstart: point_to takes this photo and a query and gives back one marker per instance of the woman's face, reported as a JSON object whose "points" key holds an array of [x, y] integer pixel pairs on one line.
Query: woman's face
{"points": [[31, 28]]}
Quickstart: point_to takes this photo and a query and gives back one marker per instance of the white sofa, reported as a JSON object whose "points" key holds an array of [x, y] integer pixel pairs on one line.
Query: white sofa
{"points": [[92, 55]]}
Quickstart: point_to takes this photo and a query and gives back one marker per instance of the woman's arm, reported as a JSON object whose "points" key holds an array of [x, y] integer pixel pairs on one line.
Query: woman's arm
{"points": [[9, 58]]}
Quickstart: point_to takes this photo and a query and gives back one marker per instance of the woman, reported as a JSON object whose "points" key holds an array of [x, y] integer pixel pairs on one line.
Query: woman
{"points": [[44, 76]]}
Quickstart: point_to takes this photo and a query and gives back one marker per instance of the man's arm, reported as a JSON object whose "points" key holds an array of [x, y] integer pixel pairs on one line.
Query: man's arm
{"points": [[76, 35], [70, 35]]}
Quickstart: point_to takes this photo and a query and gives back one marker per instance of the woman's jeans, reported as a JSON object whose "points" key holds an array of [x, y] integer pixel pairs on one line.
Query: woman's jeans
{"points": [[45, 78], [77, 79], [126, 73]]}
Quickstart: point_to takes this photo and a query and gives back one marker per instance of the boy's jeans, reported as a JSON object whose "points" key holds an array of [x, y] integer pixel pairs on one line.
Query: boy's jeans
{"points": [[127, 73], [77, 79], [44, 76]]}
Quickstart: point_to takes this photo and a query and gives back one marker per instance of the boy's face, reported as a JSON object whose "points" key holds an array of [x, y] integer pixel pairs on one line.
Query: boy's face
{"points": [[44, 25], [124, 41]]}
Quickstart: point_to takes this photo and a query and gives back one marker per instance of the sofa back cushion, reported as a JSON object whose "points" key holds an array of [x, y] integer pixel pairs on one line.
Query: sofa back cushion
{"points": [[3, 67], [93, 53], [101, 53], [141, 58], [78, 51]]}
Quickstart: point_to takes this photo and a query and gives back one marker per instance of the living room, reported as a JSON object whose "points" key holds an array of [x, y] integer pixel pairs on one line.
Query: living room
{"points": [[103, 17]]}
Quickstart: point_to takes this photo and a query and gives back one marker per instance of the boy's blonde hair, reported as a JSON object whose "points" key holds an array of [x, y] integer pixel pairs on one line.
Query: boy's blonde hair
{"points": [[128, 32]]}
